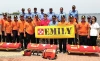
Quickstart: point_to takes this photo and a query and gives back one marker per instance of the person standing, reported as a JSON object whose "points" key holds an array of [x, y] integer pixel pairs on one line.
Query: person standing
{"points": [[89, 19], [83, 31], [62, 41], [53, 23], [8, 29], [23, 12], [21, 31], [35, 12], [2, 21], [74, 13], [41, 15], [29, 31], [94, 31], [50, 14], [44, 22], [15, 26], [29, 14], [36, 21], [72, 22], [60, 14]]}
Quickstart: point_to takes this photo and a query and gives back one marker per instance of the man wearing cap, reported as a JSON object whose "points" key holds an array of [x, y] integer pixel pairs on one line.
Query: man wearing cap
{"points": [[50, 14], [21, 31], [41, 15], [62, 41], [2, 21], [89, 19], [29, 31], [23, 12], [83, 31], [53, 23], [29, 13], [72, 22], [15, 27], [60, 14], [45, 21], [8, 29], [74, 13], [36, 21]]}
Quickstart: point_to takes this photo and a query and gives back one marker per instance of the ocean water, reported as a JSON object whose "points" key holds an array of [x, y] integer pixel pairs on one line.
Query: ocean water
{"points": [[97, 15]]}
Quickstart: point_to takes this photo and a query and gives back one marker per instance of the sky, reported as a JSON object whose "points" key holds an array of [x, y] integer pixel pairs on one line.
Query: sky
{"points": [[83, 6]]}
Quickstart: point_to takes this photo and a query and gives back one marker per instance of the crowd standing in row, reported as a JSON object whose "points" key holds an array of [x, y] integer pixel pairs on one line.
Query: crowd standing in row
{"points": [[23, 30]]}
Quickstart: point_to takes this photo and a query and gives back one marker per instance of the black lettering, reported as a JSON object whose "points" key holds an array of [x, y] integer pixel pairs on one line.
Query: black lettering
{"points": [[46, 31], [51, 31], [68, 29], [55, 31], [62, 30]]}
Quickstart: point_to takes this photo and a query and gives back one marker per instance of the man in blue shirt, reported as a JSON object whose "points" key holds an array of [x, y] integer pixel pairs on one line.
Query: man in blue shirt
{"points": [[35, 12], [41, 16], [50, 14], [60, 14], [23, 12], [53, 23], [29, 13], [74, 13]]}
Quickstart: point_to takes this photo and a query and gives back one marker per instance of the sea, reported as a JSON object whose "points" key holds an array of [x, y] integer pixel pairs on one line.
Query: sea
{"points": [[91, 14]]}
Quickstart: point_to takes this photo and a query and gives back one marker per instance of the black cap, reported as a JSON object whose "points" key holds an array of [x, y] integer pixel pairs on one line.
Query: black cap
{"points": [[45, 15], [88, 17], [15, 16], [29, 17], [54, 16], [83, 17], [9, 16], [21, 15], [62, 16], [4, 14], [36, 15], [71, 16]]}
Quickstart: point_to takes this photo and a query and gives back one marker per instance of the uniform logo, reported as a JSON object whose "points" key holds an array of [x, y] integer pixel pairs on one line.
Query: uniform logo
{"points": [[40, 31]]}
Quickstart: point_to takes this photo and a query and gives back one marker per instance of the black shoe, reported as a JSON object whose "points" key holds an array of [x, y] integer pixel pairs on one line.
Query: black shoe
{"points": [[64, 51], [60, 51]]}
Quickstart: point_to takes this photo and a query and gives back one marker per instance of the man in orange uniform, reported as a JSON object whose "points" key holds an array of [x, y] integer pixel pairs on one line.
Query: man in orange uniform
{"points": [[72, 22], [62, 41], [36, 21], [29, 30], [2, 21], [21, 30], [8, 29], [83, 31], [15, 25]]}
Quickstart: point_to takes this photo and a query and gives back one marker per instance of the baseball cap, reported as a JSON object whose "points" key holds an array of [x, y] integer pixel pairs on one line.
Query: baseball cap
{"points": [[83, 17], [54, 16], [15, 16]]}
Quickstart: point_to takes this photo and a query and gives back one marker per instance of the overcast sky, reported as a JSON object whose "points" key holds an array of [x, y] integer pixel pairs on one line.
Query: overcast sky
{"points": [[83, 6]]}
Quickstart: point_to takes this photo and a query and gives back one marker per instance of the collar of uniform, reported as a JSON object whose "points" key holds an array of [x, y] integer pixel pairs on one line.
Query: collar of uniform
{"points": [[50, 12], [42, 13], [35, 12], [30, 13], [61, 12]]}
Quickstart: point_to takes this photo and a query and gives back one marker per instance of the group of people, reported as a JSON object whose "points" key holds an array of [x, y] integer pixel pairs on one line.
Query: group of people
{"points": [[23, 30]]}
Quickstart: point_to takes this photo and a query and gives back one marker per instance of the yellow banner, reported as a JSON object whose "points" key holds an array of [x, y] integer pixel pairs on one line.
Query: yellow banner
{"points": [[55, 31]]}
